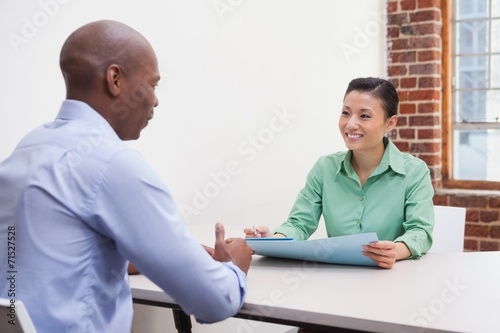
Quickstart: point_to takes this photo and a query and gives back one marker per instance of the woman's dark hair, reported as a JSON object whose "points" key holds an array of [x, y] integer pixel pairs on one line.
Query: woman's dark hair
{"points": [[380, 88]]}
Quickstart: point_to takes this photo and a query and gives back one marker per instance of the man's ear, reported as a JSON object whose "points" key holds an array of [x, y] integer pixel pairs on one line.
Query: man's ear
{"points": [[114, 77]]}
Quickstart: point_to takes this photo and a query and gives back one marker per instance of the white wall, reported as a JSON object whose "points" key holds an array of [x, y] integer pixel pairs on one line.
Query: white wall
{"points": [[228, 68]]}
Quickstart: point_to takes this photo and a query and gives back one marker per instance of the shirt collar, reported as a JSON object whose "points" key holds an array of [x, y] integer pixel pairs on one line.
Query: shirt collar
{"points": [[77, 110], [392, 159]]}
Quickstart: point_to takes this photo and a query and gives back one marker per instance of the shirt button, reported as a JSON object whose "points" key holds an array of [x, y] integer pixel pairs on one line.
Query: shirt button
{"points": [[361, 198], [357, 221]]}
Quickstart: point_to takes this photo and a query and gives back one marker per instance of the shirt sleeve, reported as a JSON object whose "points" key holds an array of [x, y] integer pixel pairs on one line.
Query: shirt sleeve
{"points": [[306, 211], [134, 208], [419, 210]]}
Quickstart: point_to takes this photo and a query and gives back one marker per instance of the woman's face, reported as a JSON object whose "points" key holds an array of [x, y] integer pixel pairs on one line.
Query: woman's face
{"points": [[363, 121]]}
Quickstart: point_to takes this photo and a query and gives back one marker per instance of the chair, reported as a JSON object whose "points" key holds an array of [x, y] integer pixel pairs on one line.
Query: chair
{"points": [[449, 229], [23, 323]]}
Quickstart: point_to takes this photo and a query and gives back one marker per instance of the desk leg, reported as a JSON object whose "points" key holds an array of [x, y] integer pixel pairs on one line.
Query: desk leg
{"points": [[182, 321]]}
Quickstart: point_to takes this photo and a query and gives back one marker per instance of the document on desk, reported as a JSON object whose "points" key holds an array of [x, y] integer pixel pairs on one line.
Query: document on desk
{"points": [[344, 250]]}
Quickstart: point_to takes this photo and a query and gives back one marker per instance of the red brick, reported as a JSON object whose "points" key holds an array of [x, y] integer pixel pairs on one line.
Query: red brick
{"points": [[405, 56], [425, 42], [408, 4], [429, 4], [495, 231], [407, 133], [425, 29], [488, 216], [397, 70], [424, 121], [392, 6], [435, 171], [440, 200], [426, 68], [403, 146], [494, 202], [393, 32], [468, 201], [408, 82], [476, 230], [403, 95], [425, 95], [472, 215], [489, 245], [399, 44], [408, 30], [430, 159], [407, 108], [395, 82], [423, 134], [424, 147], [429, 82], [428, 55], [397, 19], [429, 107], [471, 245], [402, 121], [425, 15]]}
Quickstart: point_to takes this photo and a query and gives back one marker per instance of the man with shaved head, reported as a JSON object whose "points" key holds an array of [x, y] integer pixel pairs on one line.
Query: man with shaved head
{"points": [[79, 204]]}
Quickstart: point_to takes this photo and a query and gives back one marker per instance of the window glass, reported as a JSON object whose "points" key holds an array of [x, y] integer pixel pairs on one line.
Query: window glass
{"points": [[472, 9], [475, 155], [476, 91], [495, 8], [472, 37]]}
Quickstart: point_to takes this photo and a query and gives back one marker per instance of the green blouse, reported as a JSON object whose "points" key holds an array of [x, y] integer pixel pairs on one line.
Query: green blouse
{"points": [[395, 201]]}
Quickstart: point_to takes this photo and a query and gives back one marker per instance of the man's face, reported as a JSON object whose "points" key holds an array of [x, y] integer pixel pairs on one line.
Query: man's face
{"points": [[138, 99]]}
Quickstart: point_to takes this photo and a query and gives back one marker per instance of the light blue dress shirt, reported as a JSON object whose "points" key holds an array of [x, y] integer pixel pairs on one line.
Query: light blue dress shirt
{"points": [[81, 204]]}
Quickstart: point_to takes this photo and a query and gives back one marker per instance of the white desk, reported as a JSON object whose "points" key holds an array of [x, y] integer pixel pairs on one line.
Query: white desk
{"points": [[444, 292]]}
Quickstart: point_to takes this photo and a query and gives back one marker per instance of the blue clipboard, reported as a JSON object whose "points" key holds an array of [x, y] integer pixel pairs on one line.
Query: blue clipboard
{"points": [[343, 250]]}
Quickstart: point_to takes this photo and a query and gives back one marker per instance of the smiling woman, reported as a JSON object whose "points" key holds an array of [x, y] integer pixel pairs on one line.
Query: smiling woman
{"points": [[372, 187]]}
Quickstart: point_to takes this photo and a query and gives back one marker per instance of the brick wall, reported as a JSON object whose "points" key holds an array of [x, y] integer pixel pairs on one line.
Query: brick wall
{"points": [[414, 36]]}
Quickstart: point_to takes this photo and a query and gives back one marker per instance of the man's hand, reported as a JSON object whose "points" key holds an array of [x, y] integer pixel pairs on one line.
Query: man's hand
{"points": [[235, 250]]}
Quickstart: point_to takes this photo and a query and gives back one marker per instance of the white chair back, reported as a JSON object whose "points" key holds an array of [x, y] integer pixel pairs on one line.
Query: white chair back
{"points": [[449, 229]]}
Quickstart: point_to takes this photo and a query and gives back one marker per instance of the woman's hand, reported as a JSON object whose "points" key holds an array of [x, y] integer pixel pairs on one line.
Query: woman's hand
{"points": [[385, 253], [257, 232]]}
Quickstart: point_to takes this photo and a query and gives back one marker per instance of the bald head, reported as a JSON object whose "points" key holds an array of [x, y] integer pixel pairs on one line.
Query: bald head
{"points": [[91, 49], [112, 68]]}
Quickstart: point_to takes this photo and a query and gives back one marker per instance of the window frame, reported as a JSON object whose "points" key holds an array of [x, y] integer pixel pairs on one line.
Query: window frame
{"points": [[447, 108]]}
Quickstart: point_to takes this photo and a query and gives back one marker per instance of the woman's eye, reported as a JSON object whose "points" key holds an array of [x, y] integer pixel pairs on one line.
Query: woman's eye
{"points": [[345, 113], [365, 116]]}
